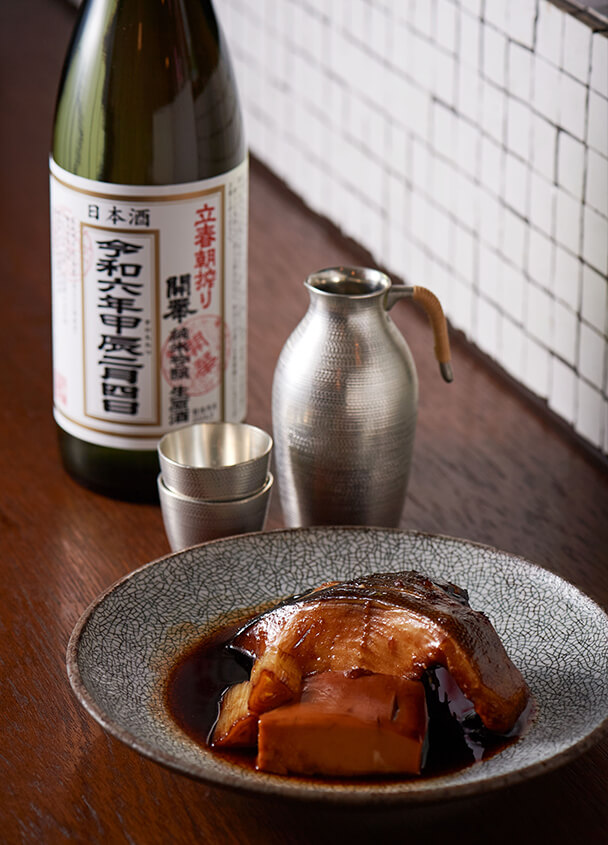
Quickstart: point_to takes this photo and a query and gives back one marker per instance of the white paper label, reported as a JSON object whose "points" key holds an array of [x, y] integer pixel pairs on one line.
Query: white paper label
{"points": [[149, 305]]}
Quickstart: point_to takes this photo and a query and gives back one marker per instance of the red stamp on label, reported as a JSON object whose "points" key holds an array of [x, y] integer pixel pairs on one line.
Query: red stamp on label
{"points": [[192, 354]]}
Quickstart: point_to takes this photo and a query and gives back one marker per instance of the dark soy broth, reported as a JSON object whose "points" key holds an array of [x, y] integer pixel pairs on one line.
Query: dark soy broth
{"points": [[456, 737]]}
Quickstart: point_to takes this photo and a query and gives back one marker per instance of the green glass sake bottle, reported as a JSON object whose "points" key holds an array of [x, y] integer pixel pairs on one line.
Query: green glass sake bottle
{"points": [[149, 206]]}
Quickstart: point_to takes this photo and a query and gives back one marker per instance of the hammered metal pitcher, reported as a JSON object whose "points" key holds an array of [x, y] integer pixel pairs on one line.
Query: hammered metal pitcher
{"points": [[345, 400]]}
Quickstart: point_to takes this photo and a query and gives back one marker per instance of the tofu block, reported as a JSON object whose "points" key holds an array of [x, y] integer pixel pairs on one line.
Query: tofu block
{"points": [[346, 726]]}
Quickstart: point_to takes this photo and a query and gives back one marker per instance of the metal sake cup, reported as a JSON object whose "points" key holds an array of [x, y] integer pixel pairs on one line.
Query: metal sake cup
{"points": [[216, 461], [189, 522]]}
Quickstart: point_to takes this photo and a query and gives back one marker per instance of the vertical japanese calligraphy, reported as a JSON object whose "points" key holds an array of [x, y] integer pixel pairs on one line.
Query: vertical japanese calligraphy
{"points": [[119, 286], [177, 295], [118, 301], [205, 254]]}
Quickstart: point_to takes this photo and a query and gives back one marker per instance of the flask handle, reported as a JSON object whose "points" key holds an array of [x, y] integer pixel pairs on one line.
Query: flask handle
{"points": [[434, 311]]}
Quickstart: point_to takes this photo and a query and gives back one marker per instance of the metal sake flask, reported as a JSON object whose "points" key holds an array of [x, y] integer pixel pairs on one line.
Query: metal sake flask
{"points": [[345, 401]]}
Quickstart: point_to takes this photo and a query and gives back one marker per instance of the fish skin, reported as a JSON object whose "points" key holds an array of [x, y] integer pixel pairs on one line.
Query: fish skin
{"points": [[395, 623]]}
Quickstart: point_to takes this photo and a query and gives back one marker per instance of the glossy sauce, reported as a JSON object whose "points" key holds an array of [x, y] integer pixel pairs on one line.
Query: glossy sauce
{"points": [[456, 737]]}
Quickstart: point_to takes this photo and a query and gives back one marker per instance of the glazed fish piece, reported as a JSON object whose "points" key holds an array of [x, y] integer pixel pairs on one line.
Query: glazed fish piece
{"points": [[396, 624]]}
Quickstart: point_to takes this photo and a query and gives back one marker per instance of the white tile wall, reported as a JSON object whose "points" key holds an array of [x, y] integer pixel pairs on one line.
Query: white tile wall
{"points": [[464, 143]]}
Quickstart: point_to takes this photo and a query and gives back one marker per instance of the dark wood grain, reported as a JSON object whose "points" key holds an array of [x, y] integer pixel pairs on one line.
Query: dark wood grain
{"points": [[488, 466]]}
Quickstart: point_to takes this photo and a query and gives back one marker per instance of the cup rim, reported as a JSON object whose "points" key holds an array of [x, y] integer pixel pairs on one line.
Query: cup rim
{"points": [[374, 283], [261, 491], [220, 467]]}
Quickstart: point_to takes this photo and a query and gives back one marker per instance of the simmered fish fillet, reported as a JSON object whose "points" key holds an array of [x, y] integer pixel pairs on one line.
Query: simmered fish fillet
{"points": [[396, 624]]}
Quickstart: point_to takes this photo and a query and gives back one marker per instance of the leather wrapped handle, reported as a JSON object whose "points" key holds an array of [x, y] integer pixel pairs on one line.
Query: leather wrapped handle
{"points": [[434, 312]]}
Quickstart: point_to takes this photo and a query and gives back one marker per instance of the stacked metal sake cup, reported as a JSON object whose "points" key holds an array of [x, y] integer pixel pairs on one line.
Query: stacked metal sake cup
{"points": [[214, 481]]}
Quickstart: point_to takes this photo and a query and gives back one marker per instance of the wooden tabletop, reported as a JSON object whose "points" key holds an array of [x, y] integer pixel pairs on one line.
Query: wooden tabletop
{"points": [[488, 466]]}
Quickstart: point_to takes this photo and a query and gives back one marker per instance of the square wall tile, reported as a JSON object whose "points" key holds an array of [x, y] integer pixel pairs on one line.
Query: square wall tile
{"points": [[565, 333], [563, 390], [491, 165], [537, 367], [393, 92], [399, 50], [417, 268], [468, 93], [514, 238], [421, 172], [512, 291], [521, 17], [379, 25], [539, 315], [512, 339], [397, 150], [396, 202], [493, 108], [595, 239], [461, 306], [596, 192], [519, 75], [594, 300], [517, 182], [567, 221], [444, 131], [490, 219], [467, 201], [549, 32], [440, 235], [466, 153], [599, 64], [542, 200], [577, 48], [421, 62], [446, 25], [519, 128], [423, 18], [443, 184], [395, 249], [487, 327], [597, 128], [469, 37], [356, 20], [494, 53], [445, 76], [545, 89], [489, 271], [341, 55], [572, 106], [567, 277], [591, 355], [497, 14], [544, 147], [589, 412], [540, 258], [570, 164], [420, 218], [474, 7], [465, 249], [418, 118], [443, 284]]}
